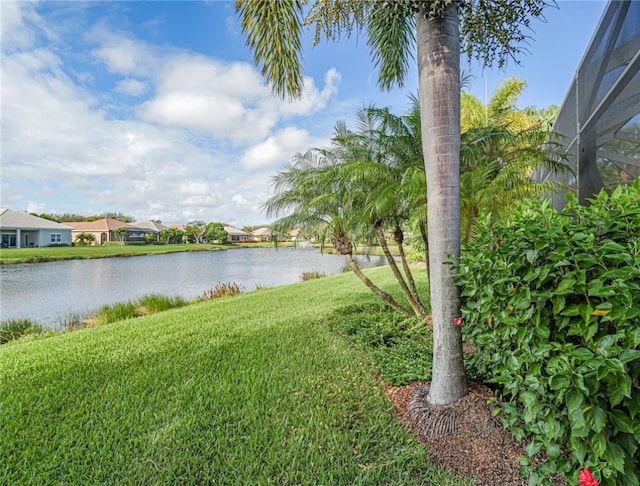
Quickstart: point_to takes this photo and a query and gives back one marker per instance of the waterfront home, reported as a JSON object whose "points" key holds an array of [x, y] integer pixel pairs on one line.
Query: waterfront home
{"points": [[238, 236], [153, 226], [104, 230], [263, 234], [22, 230]]}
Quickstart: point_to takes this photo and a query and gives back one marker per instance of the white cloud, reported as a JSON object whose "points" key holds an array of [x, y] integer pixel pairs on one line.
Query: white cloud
{"points": [[131, 87], [35, 207], [21, 25], [232, 27], [123, 55], [193, 188], [277, 149], [202, 144], [213, 97], [313, 99], [14, 33], [226, 100]]}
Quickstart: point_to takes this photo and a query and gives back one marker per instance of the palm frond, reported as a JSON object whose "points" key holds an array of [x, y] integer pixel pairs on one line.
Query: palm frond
{"points": [[505, 97], [391, 38], [272, 32]]}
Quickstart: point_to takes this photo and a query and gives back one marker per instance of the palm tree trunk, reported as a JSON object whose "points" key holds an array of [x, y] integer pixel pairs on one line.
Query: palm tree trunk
{"points": [[425, 238], [415, 304], [399, 239], [387, 299], [438, 42]]}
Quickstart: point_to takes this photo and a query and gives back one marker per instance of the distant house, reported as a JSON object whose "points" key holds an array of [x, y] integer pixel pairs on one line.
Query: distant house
{"points": [[296, 234], [104, 230], [153, 226], [238, 236], [263, 234], [21, 230]]}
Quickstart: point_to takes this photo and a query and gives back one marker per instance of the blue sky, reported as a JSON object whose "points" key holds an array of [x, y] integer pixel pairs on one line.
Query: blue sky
{"points": [[154, 109]]}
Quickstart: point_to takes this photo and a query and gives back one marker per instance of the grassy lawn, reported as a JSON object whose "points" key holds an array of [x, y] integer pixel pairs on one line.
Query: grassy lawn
{"points": [[252, 389], [26, 255]]}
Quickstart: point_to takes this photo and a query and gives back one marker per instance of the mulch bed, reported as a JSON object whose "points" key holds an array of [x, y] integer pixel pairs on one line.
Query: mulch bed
{"points": [[479, 448]]}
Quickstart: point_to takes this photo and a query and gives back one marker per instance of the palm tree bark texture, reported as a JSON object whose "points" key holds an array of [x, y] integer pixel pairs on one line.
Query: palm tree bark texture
{"points": [[438, 41]]}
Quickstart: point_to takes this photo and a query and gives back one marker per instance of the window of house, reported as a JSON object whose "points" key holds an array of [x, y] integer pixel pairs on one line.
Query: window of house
{"points": [[56, 238]]}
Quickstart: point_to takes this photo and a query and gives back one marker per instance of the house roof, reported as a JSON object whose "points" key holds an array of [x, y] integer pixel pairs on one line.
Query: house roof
{"points": [[10, 219], [152, 225], [235, 231], [104, 224], [264, 231]]}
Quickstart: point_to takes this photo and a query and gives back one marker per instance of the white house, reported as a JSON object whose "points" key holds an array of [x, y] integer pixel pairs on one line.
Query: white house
{"points": [[238, 236], [21, 230]]}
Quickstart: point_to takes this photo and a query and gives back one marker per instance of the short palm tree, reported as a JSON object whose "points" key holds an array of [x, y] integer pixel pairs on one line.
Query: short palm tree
{"points": [[84, 239], [121, 233], [501, 147], [312, 192], [374, 167]]}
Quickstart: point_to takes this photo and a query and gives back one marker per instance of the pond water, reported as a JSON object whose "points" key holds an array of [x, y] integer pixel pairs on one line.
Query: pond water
{"points": [[48, 292]]}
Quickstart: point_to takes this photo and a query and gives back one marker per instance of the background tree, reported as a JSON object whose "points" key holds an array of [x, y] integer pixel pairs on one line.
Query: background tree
{"points": [[121, 234], [195, 231], [172, 235], [84, 239], [165, 235], [215, 232], [50, 217], [124, 218], [491, 31]]}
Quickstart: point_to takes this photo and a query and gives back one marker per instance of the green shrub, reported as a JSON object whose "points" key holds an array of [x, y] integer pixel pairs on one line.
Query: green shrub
{"points": [[400, 349], [550, 302], [15, 328]]}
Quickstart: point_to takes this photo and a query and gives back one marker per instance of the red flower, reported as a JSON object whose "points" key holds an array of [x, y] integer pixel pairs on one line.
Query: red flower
{"points": [[586, 479], [457, 321]]}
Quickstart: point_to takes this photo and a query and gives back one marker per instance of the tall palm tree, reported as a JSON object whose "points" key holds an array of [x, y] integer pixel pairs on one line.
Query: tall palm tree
{"points": [[491, 30], [438, 40]]}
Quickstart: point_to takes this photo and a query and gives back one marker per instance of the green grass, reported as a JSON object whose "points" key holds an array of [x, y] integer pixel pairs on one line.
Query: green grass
{"points": [[44, 254], [153, 303], [249, 390], [147, 304]]}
